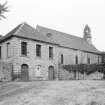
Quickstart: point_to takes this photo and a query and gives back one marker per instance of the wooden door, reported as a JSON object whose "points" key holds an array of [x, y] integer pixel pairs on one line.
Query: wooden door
{"points": [[24, 72], [51, 74]]}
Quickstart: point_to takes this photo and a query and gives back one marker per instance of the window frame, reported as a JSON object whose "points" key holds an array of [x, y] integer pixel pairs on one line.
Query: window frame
{"points": [[50, 52], [8, 44], [88, 60], [76, 59], [98, 59], [24, 48], [62, 59], [38, 50], [0, 52]]}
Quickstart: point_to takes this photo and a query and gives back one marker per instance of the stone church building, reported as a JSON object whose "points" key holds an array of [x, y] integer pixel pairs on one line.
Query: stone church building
{"points": [[36, 53]]}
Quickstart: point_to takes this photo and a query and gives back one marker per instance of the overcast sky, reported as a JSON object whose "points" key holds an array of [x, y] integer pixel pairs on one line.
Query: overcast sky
{"points": [[69, 16]]}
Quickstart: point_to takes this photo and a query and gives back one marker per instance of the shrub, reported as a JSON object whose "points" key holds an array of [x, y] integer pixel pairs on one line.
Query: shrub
{"points": [[85, 68]]}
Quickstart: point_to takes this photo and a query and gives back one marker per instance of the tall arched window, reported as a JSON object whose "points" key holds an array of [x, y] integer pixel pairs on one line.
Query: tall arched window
{"points": [[0, 52], [62, 59], [88, 60], [8, 50], [76, 59]]}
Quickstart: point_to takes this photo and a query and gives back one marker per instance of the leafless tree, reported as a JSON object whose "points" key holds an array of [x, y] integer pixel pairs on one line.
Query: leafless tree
{"points": [[3, 9]]}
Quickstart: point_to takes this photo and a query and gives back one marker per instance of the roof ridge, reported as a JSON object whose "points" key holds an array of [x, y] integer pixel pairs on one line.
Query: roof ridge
{"points": [[20, 27]]}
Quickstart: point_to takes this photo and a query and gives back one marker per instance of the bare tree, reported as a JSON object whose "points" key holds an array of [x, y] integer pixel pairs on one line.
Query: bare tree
{"points": [[3, 9]]}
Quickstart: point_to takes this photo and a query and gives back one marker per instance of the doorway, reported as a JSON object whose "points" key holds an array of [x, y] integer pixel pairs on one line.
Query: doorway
{"points": [[24, 72], [51, 73]]}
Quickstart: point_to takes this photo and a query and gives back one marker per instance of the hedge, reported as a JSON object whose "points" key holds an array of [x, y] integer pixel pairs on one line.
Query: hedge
{"points": [[85, 68]]}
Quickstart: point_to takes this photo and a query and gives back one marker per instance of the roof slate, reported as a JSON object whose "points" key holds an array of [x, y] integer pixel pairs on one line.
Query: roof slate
{"points": [[68, 40], [26, 31], [40, 33]]}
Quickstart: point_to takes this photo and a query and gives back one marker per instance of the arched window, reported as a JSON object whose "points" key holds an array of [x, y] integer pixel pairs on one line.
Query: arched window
{"points": [[0, 52], [76, 59], [62, 59], [8, 50], [88, 60]]}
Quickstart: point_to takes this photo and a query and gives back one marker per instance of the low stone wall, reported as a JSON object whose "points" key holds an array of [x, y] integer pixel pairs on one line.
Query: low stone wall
{"points": [[65, 75], [5, 71], [96, 75]]}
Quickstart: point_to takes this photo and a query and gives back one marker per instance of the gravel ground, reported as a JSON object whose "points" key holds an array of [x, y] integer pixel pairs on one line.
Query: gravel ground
{"points": [[80, 92]]}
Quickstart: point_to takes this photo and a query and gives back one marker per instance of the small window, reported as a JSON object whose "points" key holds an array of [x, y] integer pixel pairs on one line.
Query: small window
{"points": [[50, 52], [38, 70], [8, 50], [38, 50], [76, 59], [0, 52], [49, 34], [61, 58], [24, 48], [88, 60], [98, 59]]}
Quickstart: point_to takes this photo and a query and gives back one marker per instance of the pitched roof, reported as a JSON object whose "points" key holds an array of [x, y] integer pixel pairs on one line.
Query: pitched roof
{"points": [[26, 31], [50, 36], [68, 40]]}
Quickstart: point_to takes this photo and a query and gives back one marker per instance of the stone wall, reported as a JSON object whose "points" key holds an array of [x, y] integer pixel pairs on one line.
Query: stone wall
{"points": [[66, 75], [5, 71], [32, 61], [70, 54]]}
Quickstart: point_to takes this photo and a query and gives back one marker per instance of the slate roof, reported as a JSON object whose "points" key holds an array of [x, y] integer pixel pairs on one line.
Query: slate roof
{"points": [[68, 40], [55, 37], [26, 31]]}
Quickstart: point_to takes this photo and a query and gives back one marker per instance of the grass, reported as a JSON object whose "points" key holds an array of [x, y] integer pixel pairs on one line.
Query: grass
{"points": [[87, 92], [14, 88]]}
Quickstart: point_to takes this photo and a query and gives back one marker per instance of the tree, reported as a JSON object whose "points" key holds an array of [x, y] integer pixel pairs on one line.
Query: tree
{"points": [[3, 9]]}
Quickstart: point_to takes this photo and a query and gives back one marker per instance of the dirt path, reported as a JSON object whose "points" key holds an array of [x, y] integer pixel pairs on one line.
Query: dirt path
{"points": [[61, 93]]}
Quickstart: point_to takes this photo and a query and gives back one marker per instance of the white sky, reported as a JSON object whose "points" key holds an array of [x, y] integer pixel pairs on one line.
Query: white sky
{"points": [[69, 16]]}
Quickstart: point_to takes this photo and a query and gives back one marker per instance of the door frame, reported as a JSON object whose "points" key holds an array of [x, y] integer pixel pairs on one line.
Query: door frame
{"points": [[51, 73], [24, 72]]}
